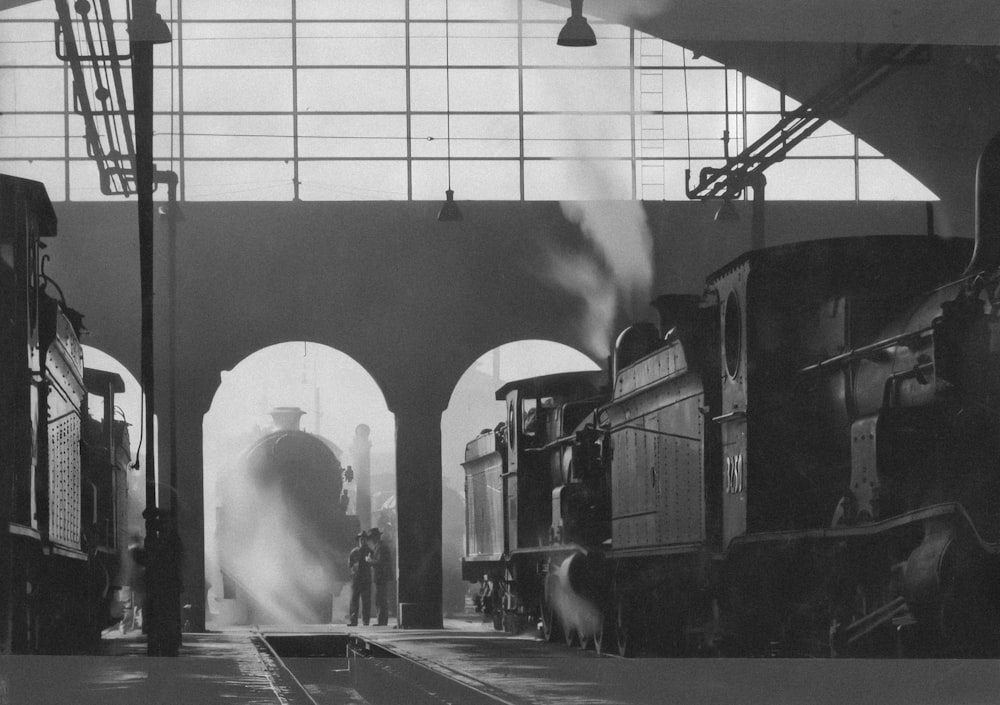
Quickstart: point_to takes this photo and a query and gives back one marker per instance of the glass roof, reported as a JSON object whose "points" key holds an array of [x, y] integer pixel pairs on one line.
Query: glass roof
{"points": [[384, 100]]}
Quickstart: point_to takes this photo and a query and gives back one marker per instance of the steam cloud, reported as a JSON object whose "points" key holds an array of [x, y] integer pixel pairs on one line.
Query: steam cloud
{"points": [[616, 275], [277, 563], [575, 611]]}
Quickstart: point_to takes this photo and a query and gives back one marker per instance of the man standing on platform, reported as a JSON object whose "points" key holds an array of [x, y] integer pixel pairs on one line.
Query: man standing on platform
{"points": [[380, 559], [361, 582]]}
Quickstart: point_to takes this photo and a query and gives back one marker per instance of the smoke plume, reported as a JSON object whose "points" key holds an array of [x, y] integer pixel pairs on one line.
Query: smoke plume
{"points": [[612, 276]]}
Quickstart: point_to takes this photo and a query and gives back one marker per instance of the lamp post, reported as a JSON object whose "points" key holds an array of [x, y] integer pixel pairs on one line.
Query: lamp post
{"points": [[146, 28]]}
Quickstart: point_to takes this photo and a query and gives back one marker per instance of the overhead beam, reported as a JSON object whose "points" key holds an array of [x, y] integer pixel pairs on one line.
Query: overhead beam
{"points": [[962, 22], [8, 4]]}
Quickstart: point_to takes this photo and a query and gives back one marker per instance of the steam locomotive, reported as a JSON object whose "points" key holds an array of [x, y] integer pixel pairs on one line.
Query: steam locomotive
{"points": [[284, 533], [63, 462], [800, 462]]}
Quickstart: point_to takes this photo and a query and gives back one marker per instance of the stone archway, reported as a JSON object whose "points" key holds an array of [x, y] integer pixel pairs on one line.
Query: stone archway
{"points": [[332, 395]]}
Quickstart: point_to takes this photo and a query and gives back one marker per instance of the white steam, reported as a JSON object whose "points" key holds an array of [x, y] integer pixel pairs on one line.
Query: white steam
{"points": [[575, 612], [276, 561], [615, 275]]}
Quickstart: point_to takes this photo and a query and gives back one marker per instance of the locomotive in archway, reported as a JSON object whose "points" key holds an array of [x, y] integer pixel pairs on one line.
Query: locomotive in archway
{"points": [[284, 532]]}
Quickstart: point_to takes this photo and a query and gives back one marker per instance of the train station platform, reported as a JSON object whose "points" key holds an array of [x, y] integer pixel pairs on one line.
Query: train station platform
{"points": [[467, 663]]}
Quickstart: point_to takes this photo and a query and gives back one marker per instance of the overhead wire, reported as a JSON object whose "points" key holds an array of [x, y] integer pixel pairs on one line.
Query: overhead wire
{"points": [[447, 83]]}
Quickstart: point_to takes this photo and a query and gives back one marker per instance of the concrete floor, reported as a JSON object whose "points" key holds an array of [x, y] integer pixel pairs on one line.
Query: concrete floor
{"points": [[229, 667], [526, 670], [211, 668]]}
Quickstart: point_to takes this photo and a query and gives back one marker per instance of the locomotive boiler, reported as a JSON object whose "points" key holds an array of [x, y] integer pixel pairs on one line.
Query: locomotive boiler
{"points": [[284, 532], [801, 461], [63, 463]]}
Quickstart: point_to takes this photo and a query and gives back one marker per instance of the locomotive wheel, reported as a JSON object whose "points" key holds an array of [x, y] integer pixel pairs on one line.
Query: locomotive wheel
{"points": [[623, 637], [603, 636], [550, 626], [571, 635]]}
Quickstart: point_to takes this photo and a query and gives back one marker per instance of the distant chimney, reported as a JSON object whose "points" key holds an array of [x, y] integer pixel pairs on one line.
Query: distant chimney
{"points": [[361, 449], [286, 418]]}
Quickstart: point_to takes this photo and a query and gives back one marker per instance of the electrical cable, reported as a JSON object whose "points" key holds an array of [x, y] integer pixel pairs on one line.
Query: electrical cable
{"points": [[447, 83]]}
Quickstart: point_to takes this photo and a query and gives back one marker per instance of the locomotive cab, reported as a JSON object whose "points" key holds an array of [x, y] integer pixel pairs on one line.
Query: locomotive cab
{"points": [[581, 510], [106, 456], [543, 415], [105, 511]]}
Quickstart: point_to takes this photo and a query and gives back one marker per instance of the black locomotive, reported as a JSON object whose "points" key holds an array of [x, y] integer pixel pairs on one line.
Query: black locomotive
{"points": [[63, 465], [802, 461], [284, 531]]}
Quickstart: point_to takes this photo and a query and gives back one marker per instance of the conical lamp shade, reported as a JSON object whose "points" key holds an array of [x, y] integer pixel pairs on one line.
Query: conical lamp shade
{"points": [[727, 213], [576, 32], [449, 212]]}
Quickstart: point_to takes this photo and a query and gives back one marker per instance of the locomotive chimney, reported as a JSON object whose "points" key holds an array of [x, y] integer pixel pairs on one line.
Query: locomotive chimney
{"points": [[286, 418], [636, 341], [986, 254]]}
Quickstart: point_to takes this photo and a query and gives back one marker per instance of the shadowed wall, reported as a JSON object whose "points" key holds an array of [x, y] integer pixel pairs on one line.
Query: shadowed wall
{"points": [[412, 300]]}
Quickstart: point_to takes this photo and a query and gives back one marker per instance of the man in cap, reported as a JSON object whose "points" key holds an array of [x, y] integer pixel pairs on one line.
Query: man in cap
{"points": [[380, 559], [361, 582]]}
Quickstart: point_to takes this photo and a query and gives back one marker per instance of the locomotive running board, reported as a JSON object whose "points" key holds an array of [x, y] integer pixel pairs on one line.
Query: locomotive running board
{"points": [[936, 511], [673, 549], [560, 548]]}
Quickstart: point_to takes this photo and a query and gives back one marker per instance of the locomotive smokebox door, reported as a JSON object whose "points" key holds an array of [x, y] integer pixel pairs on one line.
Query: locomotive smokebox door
{"points": [[732, 289]]}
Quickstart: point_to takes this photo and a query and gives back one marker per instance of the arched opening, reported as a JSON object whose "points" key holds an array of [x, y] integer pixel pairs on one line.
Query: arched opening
{"points": [[299, 455], [472, 408]]}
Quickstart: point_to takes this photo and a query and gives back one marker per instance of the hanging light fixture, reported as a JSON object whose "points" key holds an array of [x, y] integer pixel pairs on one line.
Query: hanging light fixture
{"points": [[727, 212], [449, 212], [576, 32]]}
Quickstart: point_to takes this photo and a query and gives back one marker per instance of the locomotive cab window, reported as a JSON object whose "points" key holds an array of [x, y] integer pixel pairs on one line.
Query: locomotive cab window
{"points": [[534, 415], [529, 417], [95, 407]]}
